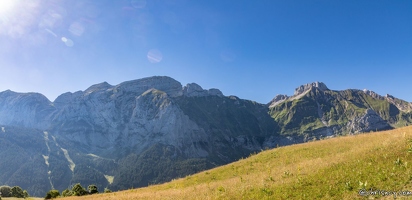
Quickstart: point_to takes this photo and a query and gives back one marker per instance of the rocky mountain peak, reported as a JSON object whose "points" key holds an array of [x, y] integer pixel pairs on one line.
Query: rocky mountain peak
{"points": [[195, 90], [278, 99], [372, 94], [67, 97], [163, 83], [98, 87], [303, 88], [389, 96]]}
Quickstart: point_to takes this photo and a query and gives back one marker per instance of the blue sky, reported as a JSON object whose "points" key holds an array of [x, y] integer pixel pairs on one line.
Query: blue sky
{"points": [[251, 49]]}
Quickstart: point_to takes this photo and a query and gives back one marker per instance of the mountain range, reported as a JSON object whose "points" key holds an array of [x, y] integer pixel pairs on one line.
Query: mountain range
{"points": [[153, 130]]}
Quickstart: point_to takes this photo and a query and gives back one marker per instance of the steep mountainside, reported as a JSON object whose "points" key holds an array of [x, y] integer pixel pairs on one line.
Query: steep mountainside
{"points": [[135, 133], [153, 130], [315, 111]]}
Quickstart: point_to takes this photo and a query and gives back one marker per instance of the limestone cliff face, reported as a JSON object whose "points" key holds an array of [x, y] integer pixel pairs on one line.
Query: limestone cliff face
{"points": [[133, 115], [25, 109], [112, 131]]}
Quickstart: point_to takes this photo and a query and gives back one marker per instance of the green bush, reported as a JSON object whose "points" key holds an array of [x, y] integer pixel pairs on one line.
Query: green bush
{"points": [[25, 194], [107, 190], [93, 189], [52, 194], [16, 191], [5, 191], [78, 190], [67, 193]]}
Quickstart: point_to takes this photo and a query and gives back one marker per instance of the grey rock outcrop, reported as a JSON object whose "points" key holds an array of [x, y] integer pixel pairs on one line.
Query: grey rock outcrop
{"points": [[370, 121], [400, 104], [163, 83], [373, 94], [303, 88], [195, 90], [215, 92], [277, 100], [25, 109]]}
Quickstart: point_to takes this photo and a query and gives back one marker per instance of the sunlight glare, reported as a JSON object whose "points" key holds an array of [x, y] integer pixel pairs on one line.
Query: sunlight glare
{"points": [[6, 5]]}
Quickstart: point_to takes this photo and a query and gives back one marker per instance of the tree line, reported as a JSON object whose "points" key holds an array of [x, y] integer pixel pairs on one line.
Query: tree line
{"points": [[15, 191], [76, 190]]}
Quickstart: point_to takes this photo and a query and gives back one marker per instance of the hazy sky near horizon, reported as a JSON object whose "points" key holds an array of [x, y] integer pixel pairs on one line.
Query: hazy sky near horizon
{"points": [[251, 49]]}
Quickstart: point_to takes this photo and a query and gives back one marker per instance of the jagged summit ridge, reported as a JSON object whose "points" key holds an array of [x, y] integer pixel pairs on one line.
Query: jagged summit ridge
{"points": [[299, 92], [165, 84], [278, 99], [98, 87], [372, 94], [303, 88], [195, 90]]}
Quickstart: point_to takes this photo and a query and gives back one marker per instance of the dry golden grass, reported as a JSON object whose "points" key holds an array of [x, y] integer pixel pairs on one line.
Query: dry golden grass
{"points": [[335, 168]]}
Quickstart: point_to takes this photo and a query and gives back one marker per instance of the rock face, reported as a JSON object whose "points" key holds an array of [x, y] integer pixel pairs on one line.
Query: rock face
{"points": [[153, 130], [137, 132], [194, 90], [303, 88], [277, 100], [27, 110], [370, 121]]}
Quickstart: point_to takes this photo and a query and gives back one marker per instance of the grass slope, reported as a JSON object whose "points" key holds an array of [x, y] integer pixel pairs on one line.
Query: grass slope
{"points": [[335, 168]]}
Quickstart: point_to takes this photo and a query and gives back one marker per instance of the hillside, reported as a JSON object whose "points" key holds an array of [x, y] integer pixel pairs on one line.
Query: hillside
{"points": [[335, 168]]}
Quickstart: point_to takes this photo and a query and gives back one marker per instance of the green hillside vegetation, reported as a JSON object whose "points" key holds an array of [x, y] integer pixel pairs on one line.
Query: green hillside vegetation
{"points": [[336, 168], [300, 116]]}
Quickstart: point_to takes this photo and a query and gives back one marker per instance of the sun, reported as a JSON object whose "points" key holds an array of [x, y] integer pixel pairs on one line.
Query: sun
{"points": [[7, 5]]}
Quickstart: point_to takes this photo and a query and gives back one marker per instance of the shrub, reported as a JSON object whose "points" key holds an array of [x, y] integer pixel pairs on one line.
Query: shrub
{"points": [[67, 193], [25, 194], [5, 191], [107, 190], [93, 189], [16, 191], [78, 190], [52, 194]]}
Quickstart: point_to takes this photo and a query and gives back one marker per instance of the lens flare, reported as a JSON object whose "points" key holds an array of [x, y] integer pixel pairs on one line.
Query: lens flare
{"points": [[154, 56], [68, 42]]}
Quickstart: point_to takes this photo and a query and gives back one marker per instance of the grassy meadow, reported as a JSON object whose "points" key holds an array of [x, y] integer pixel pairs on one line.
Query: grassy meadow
{"points": [[335, 168]]}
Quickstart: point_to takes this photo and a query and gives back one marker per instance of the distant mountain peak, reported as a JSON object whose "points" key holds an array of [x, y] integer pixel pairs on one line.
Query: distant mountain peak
{"points": [[277, 100], [195, 90], [303, 88], [97, 87]]}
